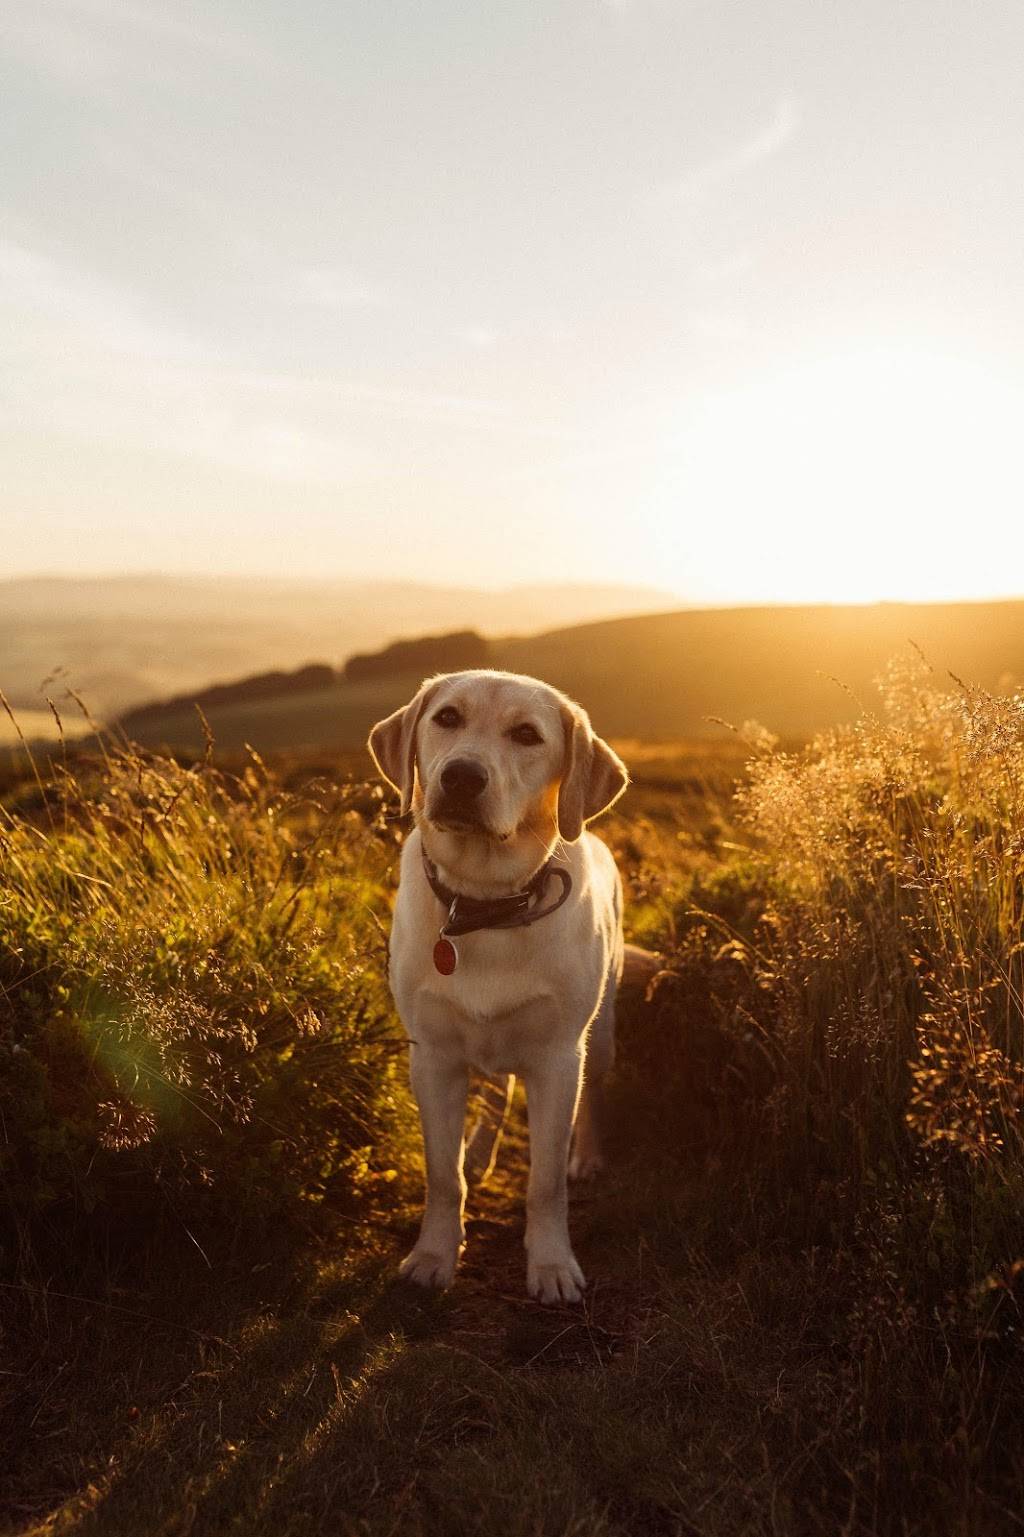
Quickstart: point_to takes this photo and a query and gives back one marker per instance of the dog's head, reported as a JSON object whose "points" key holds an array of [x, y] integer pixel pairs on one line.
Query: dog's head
{"points": [[498, 757]]}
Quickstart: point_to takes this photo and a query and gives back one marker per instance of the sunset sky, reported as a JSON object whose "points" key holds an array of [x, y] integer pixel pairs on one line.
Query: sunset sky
{"points": [[724, 297]]}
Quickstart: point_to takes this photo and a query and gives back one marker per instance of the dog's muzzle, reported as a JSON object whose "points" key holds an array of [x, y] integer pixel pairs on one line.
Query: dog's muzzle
{"points": [[461, 784], [463, 780]]}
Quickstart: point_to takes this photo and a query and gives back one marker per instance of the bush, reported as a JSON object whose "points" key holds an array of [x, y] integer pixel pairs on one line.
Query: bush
{"points": [[894, 853], [844, 996], [193, 1017]]}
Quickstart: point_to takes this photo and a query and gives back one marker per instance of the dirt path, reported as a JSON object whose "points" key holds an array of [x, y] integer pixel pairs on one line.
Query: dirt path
{"points": [[224, 1398], [490, 1310]]}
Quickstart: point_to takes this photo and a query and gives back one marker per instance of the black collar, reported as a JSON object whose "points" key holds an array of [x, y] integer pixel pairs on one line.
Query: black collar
{"points": [[467, 914]]}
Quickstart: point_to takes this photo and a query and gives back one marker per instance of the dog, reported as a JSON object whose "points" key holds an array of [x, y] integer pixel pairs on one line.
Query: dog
{"points": [[506, 944]]}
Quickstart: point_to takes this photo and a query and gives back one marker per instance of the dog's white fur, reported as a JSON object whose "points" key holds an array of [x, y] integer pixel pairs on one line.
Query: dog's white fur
{"points": [[536, 1001]]}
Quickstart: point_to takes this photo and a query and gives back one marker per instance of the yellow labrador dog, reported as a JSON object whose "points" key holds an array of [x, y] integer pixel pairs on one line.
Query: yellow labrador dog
{"points": [[506, 947]]}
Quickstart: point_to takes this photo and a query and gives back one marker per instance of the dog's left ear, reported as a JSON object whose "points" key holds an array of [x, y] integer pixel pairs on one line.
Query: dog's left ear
{"points": [[593, 779], [392, 744]]}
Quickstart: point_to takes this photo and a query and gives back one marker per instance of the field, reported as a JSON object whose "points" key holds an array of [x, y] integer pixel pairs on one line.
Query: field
{"points": [[806, 1265]]}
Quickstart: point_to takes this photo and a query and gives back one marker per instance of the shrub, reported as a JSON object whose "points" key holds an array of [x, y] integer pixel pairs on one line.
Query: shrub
{"points": [[845, 994], [192, 1010], [894, 853]]}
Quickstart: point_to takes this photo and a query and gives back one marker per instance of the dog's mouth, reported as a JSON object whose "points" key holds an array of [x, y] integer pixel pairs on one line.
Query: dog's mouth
{"points": [[455, 814], [448, 814], [450, 823]]}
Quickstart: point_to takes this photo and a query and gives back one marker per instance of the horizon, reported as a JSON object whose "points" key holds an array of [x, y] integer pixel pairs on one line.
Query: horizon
{"points": [[509, 589], [720, 302]]}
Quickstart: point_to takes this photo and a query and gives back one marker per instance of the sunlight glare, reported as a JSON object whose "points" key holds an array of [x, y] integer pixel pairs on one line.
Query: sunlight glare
{"points": [[876, 475]]}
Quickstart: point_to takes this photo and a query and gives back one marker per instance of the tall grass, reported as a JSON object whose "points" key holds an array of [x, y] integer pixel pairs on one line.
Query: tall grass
{"points": [[193, 1020], [839, 1031], [890, 945], [809, 1265]]}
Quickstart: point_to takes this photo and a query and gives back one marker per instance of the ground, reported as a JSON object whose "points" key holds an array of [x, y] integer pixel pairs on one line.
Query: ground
{"points": [[706, 1386], [322, 1395], [806, 1259]]}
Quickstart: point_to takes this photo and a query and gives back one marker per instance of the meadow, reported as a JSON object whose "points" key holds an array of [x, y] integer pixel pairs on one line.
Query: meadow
{"points": [[807, 1260]]}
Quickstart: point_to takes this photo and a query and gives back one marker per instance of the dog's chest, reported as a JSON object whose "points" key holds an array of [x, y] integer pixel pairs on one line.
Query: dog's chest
{"points": [[512, 1043], [498, 1012]]}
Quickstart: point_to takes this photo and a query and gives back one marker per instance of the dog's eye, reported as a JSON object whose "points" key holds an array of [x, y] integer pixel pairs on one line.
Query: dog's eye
{"points": [[449, 718], [526, 735]]}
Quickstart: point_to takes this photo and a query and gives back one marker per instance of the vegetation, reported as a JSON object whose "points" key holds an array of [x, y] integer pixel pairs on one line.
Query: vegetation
{"points": [[187, 1033], [807, 1267]]}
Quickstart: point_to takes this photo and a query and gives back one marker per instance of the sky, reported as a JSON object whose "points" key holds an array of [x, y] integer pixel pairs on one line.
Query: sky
{"points": [[723, 297]]}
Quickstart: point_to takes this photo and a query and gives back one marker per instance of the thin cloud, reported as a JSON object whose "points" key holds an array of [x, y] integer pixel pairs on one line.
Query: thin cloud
{"points": [[42, 301], [184, 24], [78, 42], [46, 45], [95, 364], [717, 325], [732, 266], [762, 146], [480, 337], [334, 288], [431, 407]]}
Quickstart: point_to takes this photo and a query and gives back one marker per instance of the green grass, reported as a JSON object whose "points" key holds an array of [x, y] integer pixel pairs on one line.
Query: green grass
{"points": [[804, 1314]]}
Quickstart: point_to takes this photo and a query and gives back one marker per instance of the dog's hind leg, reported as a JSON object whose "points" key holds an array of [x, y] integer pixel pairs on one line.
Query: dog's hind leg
{"points": [[494, 1100]]}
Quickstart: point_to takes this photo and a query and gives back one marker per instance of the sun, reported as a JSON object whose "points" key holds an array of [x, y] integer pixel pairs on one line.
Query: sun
{"points": [[876, 474]]}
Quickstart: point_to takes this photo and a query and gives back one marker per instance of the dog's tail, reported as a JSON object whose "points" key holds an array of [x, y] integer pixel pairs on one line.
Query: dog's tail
{"points": [[640, 966]]}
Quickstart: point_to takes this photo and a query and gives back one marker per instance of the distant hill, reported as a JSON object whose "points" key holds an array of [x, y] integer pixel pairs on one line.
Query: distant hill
{"points": [[125, 641], [261, 686], [794, 669], [658, 677], [430, 653]]}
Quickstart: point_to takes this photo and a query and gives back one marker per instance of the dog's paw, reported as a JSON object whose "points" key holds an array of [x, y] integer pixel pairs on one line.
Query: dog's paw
{"points": [[560, 1281], [427, 1267], [584, 1165]]}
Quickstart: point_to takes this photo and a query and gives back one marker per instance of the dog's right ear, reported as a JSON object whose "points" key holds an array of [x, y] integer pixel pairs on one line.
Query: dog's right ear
{"points": [[392, 744]]}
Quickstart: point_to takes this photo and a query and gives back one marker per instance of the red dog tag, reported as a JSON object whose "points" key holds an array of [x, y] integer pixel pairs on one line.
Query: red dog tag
{"points": [[446, 957]]}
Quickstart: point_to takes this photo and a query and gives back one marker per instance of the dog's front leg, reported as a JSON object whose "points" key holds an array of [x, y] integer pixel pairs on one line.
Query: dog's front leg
{"points": [[552, 1090], [440, 1085]]}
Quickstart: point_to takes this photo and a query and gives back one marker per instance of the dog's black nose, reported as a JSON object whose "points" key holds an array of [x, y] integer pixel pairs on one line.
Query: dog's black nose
{"points": [[463, 779]]}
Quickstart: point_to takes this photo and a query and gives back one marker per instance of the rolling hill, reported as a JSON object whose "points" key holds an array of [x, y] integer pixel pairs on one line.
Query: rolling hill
{"points": [[122, 641], [658, 677]]}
